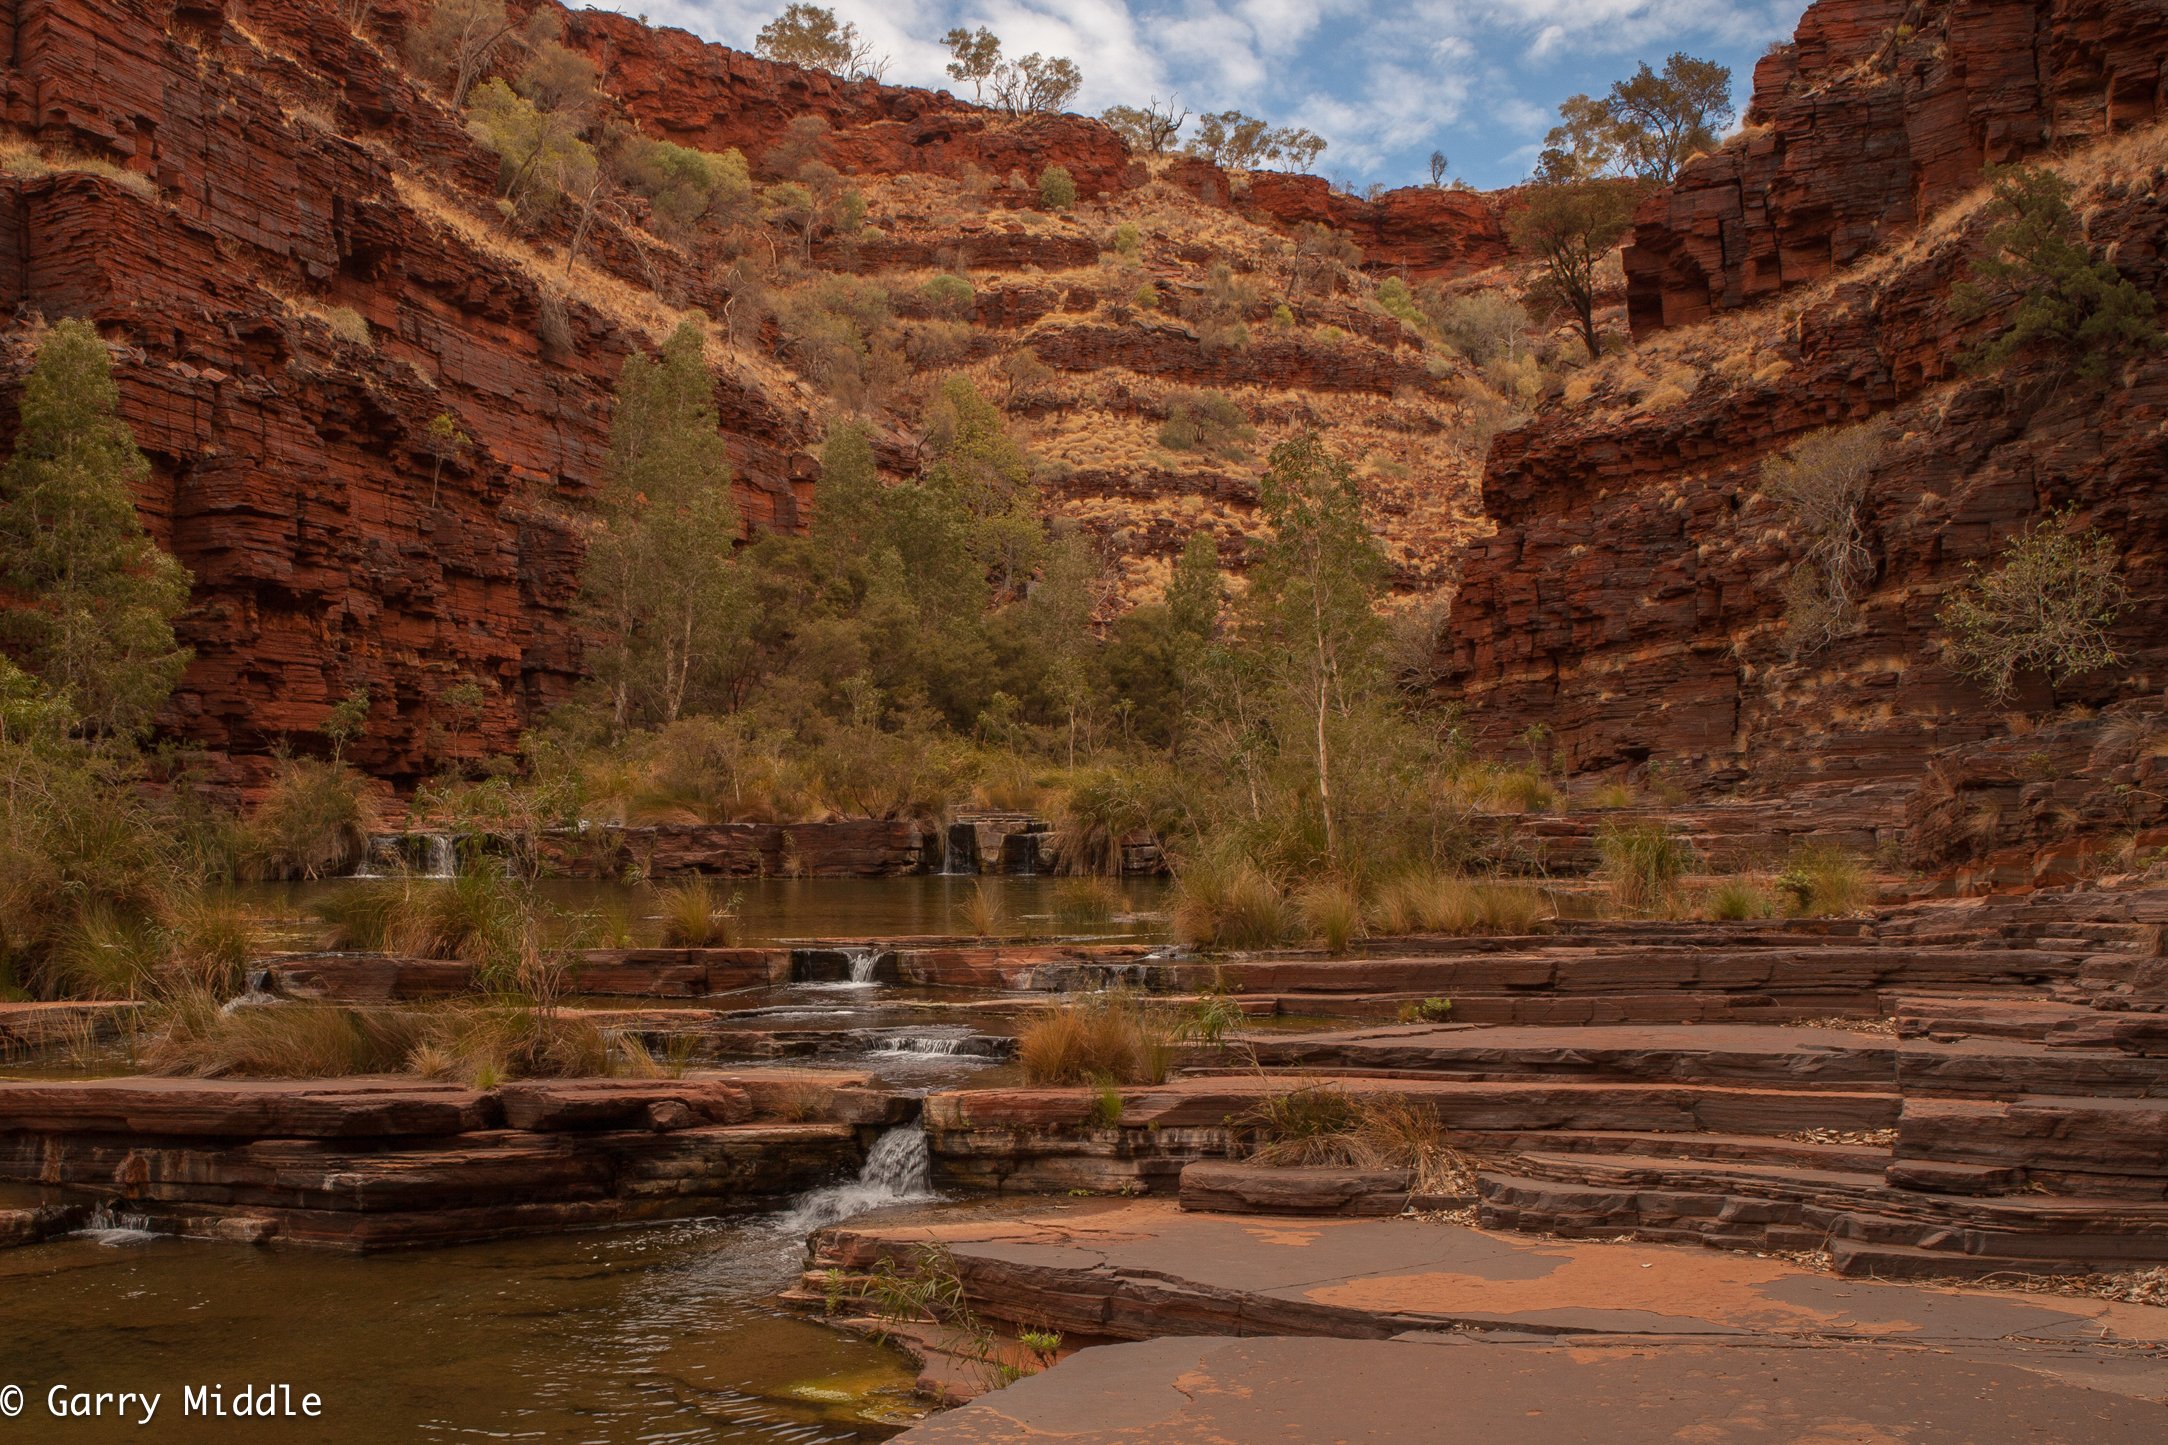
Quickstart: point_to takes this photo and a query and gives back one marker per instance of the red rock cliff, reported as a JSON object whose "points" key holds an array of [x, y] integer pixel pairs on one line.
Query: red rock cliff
{"points": [[1877, 115], [1632, 597]]}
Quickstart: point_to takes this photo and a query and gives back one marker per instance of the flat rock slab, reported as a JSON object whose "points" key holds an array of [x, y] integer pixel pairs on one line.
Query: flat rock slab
{"points": [[1141, 1269], [1431, 1388]]}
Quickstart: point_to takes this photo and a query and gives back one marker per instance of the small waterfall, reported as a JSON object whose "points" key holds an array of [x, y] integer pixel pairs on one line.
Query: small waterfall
{"points": [[863, 962], [959, 851], [109, 1227], [442, 858], [926, 1044], [898, 1170]]}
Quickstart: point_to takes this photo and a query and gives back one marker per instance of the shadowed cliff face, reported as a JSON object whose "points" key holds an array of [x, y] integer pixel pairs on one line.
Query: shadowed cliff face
{"points": [[294, 249], [1632, 596]]}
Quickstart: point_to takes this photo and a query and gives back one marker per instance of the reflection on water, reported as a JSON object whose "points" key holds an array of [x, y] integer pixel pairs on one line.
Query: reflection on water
{"points": [[653, 1334], [783, 908]]}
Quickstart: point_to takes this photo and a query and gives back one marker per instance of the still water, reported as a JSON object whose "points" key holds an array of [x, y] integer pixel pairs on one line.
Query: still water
{"points": [[656, 1334], [770, 909]]}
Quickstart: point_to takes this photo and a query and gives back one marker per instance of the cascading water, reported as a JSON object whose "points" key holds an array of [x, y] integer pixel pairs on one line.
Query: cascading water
{"points": [[898, 1170], [863, 962], [109, 1227], [443, 858]]}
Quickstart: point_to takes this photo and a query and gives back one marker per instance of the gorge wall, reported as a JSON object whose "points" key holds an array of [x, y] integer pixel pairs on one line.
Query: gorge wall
{"points": [[1631, 599], [227, 186]]}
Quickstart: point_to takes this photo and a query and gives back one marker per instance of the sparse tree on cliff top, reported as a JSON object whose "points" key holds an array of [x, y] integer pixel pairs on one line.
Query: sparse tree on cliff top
{"points": [[659, 585], [810, 37], [977, 55], [93, 597], [1037, 85], [1150, 128], [1647, 126]]}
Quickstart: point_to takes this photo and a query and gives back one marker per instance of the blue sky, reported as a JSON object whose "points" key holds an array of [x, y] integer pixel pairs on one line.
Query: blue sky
{"points": [[1384, 82]]}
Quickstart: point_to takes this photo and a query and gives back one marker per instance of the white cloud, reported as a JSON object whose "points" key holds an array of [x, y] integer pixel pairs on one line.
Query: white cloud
{"points": [[1382, 80]]}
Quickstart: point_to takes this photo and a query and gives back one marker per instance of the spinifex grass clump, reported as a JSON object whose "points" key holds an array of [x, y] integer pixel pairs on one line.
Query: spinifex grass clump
{"points": [[1322, 1125], [1643, 862], [1331, 911], [1107, 1038], [313, 822], [477, 916], [984, 913], [1425, 902], [696, 915], [1221, 903], [1082, 902], [481, 1043], [1821, 880], [1737, 900]]}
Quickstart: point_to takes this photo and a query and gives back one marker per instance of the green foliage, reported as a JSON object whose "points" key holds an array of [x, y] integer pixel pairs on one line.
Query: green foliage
{"points": [[694, 915], [1036, 84], [1647, 126], [1428, 1011], [1738, 900], [974, 56], [1151, 128], [1209, 422], [1127, 241], [1242, 142], [96, 597], [810, 37], [687, 188], [2047, 605], [1487, 327], [1568, 226], [2035, 262], [1399, 301], [949, 295], [658, 587], [541, 157], [1057, 189]]}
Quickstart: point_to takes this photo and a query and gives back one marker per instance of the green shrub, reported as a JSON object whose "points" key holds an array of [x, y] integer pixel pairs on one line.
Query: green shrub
{"points": [[1208, 422], [1429, 1011], [2047, 605], [1399, 302], [1057, 188], [949, 294], [1126, 239], [2065, 301]]}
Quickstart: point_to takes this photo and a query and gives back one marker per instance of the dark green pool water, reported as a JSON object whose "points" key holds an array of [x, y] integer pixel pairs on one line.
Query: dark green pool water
{"points": [[656, 1334]]}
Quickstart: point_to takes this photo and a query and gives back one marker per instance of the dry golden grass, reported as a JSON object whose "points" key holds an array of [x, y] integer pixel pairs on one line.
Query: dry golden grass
{"points": [[1108, 1038]]}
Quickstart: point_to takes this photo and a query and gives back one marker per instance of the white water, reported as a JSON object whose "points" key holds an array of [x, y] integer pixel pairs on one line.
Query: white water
{"points": [[443, 858], [898, 1170], [114, 1230], [863, 962], [924, 1044]]}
